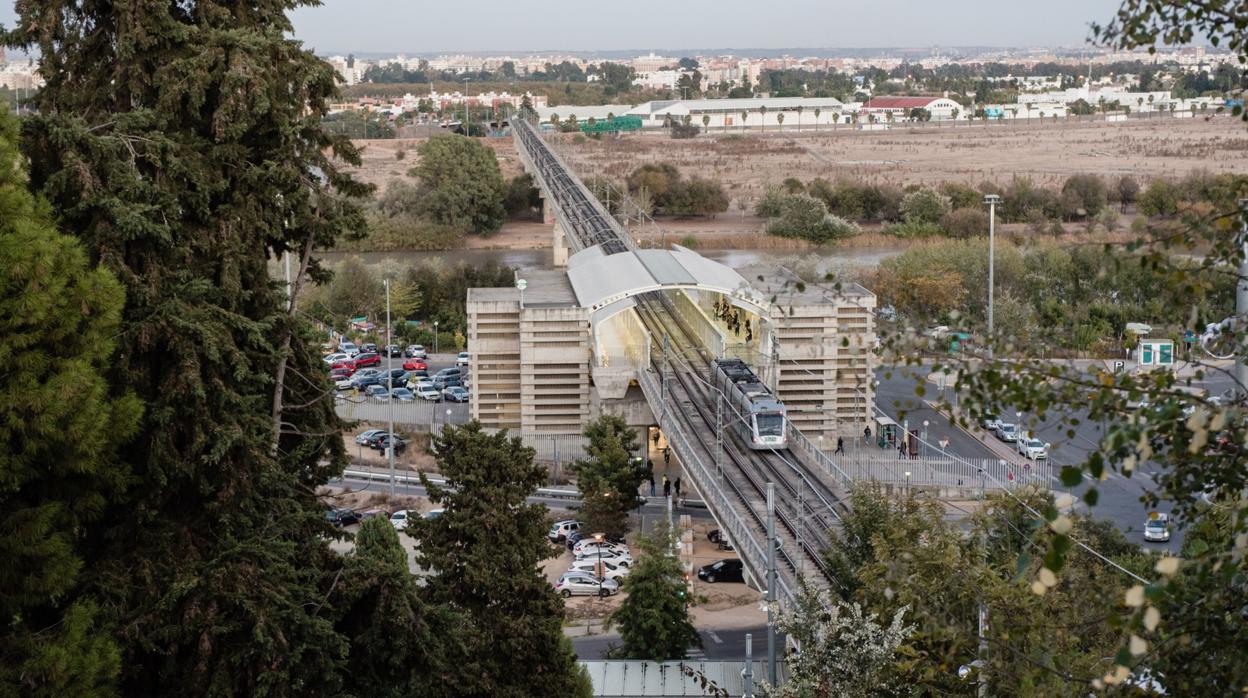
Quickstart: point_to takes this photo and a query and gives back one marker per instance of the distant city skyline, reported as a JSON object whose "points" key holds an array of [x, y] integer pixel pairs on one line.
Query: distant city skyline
{"points": [[395, 26]]}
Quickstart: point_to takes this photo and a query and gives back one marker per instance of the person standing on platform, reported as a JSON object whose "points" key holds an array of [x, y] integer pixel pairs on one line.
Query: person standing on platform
{"points": [[667, 487]]}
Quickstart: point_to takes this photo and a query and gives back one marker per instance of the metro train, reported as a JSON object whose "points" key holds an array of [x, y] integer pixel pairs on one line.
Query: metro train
{"points": [[756, 413]]}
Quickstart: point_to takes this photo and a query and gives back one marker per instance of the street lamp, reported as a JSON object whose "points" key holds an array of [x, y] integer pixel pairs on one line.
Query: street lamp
{"points": [[435, 336], [598, 538], [925, 425], [390, 388], [992, 200]]}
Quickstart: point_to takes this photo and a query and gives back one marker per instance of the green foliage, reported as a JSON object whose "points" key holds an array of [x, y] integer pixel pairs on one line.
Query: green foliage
{"points": [[962, 196], [1127, 191], [965, 222], [185, 156], [806, 217], [484, 551], [1161, 198], [522, 199], [654, 618], [924, 206], [609, 478], [63, 428], [855, 201], [464, 188], [673, 195], [1083, 196], [683, 131]]}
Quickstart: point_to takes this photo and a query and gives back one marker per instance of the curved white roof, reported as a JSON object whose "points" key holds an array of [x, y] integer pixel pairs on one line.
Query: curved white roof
{"points": [[601, 281]]}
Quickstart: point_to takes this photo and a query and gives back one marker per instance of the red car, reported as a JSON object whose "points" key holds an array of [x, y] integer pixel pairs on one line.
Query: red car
{"points": [[415, 365], [340, 373], [347, 365], [365, 360]]}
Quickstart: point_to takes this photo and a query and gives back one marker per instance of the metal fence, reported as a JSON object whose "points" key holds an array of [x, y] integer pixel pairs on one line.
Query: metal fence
{"points": [[412, 416]]}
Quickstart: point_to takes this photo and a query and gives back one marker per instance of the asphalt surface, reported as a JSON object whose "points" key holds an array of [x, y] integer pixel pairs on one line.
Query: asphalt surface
{"points": [[1120, 496]]}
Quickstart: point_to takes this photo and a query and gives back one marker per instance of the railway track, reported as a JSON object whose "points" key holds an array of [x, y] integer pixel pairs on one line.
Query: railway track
{"points": [[806, 506]]}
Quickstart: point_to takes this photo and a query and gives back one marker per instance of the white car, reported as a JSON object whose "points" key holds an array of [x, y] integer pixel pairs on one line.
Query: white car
{"points": [[618, 557], [349, 349], [343, 383], [585, 584], [399, 520], [332, 359], [992, 423], [1008, 432], [560, 530], [416, 351], [1033, 448], [610, 569], [426, 391], [589, 542], [1157, 527], [462, 359]]}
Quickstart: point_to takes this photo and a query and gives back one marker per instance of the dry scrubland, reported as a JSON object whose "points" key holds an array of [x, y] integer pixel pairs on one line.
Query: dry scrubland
{"points": [[380, 164], [1046, 153]]}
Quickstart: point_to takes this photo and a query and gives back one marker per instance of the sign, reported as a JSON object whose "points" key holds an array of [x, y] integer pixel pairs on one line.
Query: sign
{"points": [[1120, 366], [522, 284], [1156, 353]]}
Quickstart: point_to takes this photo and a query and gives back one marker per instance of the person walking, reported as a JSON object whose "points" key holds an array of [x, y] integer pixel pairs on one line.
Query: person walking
{"points": [[651, 478], [667, 456], [667, 487], [866, 435], [840, 446], [656, 438], [676, 488]]}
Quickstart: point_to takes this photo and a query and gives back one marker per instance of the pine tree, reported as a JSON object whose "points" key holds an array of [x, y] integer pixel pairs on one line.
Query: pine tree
{"points": [[609, 479], [181, 142], [61, 431], [654, 617], [484, 550]]}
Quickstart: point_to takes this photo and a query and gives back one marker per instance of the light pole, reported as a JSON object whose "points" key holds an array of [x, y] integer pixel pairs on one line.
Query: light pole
{"points": [[390, 389], [1241, 301], [435, 336], [925, 425], [466, 133], [992, 200], [598, 568]]}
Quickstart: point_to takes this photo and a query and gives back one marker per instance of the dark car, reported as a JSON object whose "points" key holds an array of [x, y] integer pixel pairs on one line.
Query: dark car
{"points": [[365, 382], [342, 517], [371, 358], [572, 539], [393, 350], [369, 347], [444, 382], [382, 443], [448, 372], [722, 571], [377, 392]]}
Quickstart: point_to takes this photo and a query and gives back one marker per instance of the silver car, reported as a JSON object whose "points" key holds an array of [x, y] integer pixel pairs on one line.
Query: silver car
{"points": [[585, 584]]}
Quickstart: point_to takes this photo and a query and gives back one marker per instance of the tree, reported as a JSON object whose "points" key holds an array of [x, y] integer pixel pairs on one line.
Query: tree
{"points": [[1083, 196], [706, 121], [184, 156], [522, 198], [59, 319], [780, 120], [818, 111], [484, 552], [924, 206], [762, 111], [390, 631], [745, 116], [464, 187], [609, 478], [1127, 189], [654, 618], [845, 651]]}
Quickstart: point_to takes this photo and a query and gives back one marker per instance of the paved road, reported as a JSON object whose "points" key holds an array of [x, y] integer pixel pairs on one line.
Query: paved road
{"points": [[716, 644], [1119, 495]]}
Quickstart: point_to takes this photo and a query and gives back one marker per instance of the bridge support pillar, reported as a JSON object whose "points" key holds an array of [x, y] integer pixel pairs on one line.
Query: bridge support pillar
{"points": [[548, 212], [560, 246]]}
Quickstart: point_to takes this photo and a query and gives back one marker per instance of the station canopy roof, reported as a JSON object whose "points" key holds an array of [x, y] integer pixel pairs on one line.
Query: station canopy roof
{"points": [[600, 280]]}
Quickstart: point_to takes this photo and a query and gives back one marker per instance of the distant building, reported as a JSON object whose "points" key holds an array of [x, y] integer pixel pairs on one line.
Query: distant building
{"points": [[940, 108]]}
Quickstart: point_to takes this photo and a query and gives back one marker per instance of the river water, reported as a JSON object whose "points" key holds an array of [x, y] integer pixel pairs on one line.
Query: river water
{"points": [[818, 262]]}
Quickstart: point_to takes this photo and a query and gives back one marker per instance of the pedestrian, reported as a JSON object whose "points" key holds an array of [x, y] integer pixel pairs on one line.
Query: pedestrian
{"points": [[667, 487], [652, 483], [840, 446], [656, 438], [901, 447], [749, 334], [667, 455], [866, 435], [737, 330], [677, 488]]}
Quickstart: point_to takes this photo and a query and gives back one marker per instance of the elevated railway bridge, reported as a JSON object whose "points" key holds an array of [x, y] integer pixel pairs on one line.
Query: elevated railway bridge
{"points": [[612, 276]]}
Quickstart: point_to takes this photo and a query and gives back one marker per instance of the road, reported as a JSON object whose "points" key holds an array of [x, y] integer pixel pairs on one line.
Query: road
{"points": [[716, 644], [1120, 496]]}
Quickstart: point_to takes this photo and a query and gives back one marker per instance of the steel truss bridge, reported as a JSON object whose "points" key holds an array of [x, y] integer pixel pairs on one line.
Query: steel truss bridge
{"points": [[731, 478]]}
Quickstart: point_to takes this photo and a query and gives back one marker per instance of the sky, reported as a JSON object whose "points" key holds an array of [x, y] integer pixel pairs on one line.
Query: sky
{"points": [[427, 26]]}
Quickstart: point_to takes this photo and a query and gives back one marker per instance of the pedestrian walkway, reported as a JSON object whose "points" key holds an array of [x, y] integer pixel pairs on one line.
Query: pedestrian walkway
{"points": [[741, 329]]}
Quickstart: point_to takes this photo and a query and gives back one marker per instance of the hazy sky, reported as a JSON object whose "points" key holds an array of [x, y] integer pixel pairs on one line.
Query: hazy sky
{"points": [[419, 26]]}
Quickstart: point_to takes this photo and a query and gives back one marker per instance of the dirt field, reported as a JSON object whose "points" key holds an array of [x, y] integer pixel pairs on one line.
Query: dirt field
{"points": [[380, 163], [1047, 153]]}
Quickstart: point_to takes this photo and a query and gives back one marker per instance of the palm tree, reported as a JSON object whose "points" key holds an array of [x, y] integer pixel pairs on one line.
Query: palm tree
{"points": [[953, 114], [706, 121], [1173, 106], [1150, 106], [554, 121], [762, 109], [799, 118], [745, 116], [780, 121], [1139, 104], [817, 112]]}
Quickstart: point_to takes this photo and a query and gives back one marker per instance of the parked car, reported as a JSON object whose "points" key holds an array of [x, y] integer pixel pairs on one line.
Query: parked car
{"points": [[1157, 527], [456, 393], [370, 358], [574, 538], [420, 375], [415, 351], [585, 584], [348, 348], [619, 557], [342, 517], [559, 530], [393, 350], [729, 570], [607, 551], [344, 384], [373, 514], [719, 539], [403, 395], [400, 443], [462, 359], [344, 365], [451, 371], [426, 391], [444, 382], [1007, 432], [610, 570], [376, 391], [365, 438], [340, 372], [1033, 448], [331, 359], [991, 422], [415, 365], [434, 514], [369, 347], [589, 545], [399, 519]]}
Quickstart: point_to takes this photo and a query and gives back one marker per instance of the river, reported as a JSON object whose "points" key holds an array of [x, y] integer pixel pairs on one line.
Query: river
{"points": [[817, 262]]}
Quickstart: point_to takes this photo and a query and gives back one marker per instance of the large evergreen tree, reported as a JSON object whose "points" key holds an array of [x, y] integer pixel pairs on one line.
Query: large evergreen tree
{"points": [[61, 430], [182, 143], [609, 478], [654, 618], [484, 550]]}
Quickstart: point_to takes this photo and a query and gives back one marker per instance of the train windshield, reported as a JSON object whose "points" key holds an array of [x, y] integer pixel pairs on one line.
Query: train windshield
{"points": [[770, 424]]}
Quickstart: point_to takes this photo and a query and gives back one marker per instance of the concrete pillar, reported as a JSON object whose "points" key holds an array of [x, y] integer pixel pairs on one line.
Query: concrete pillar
{"points": [[560, 245], [548, 212]]}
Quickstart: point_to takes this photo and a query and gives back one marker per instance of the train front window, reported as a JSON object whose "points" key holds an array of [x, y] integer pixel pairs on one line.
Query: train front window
{"points": [[769, 424]]}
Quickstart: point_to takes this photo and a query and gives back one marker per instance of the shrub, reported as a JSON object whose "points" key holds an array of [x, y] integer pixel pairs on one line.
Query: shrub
{"points": [[682, 131], [1022, 197], [965, 222], [689, 241], [772, 203], [793, 185], [1128, 190], [961, 195], [1161, 198], [1083, 196], [924, 206], [915, 229], [806, 217]]}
